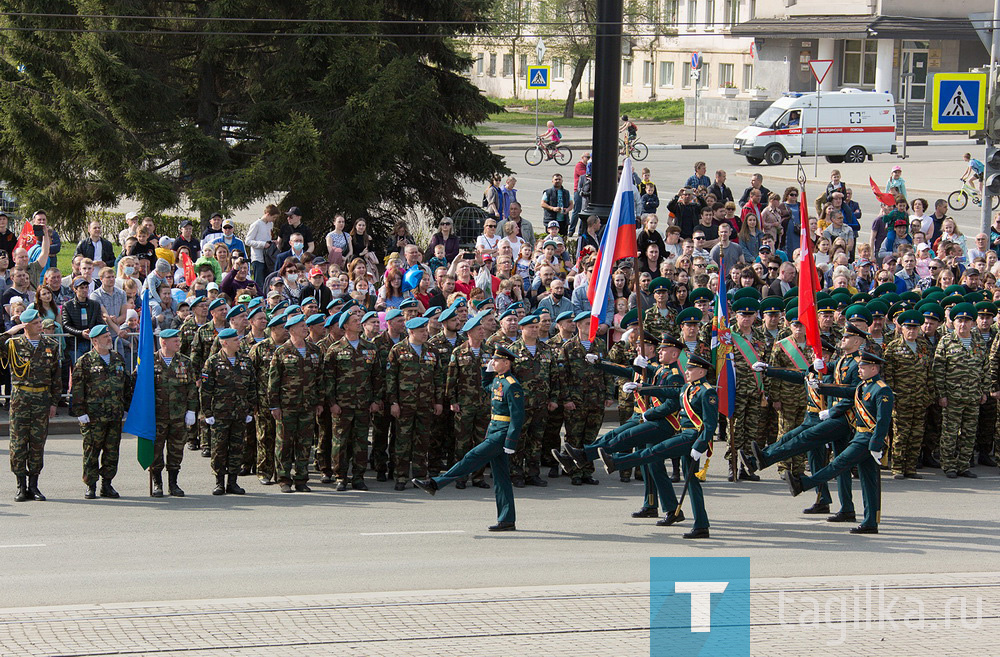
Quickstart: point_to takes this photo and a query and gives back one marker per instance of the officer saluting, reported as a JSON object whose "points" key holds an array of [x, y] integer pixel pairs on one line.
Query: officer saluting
{"points": [[506, 419]]}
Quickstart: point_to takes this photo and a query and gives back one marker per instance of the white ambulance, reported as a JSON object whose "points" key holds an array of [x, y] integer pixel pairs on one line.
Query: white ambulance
{"points": [[853, 126]]}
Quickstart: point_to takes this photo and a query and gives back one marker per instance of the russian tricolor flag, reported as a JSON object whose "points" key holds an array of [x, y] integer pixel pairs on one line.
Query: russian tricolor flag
{"points": [[618, 242]]}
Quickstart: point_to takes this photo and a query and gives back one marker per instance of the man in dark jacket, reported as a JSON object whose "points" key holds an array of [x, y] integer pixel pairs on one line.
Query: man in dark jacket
{"points": [[96, 247], [8, 240], [79, 316]]}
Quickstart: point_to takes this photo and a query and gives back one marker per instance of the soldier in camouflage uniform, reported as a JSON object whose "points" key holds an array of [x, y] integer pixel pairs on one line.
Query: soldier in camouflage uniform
{"points": [[295, 393], [414, 388], [748, 348], [385, 426], [986, 433], [583, 393], [506, 335], [789, 399], [464, 393], [322, 338], [442, 448], [102, 390], [201, 349], [354, 383], [260, 356], [228, 400], [908, 363], [187, 331], [176, 388], [932, 330], [537, 371], [256, 333], [771, 311], [623, 353], [661, 318], [33, 360], [961, 380], [552, 438]]}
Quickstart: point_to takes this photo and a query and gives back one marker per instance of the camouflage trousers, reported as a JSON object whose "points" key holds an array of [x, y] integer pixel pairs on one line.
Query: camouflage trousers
{"points": [[250, 446], [101, 440], [350, 442], [932, 428], [789, 417], [625, 411], [986, 434], [958, 434], [745, 423], [525, 462], [170, 436], [552, 438], [29, 427], [324, 442], [228, 437], [908, 429], [266, 435], [295, 431], [583, 425], [442, 445], [471, 423], [384, 431], [413, 442]]}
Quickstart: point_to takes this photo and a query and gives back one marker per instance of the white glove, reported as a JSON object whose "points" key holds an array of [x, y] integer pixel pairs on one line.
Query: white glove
{"points": [[877, 456], [824, 414], [210, 420], [640, 361], [490, 368], [630, 387], [696, 455], [644, 413], [124, 416], [592, 358], [508, 450], [249, 419], [818, 364], [626, 335], [190, 418], [812, 383], [83, 419], [759, 366]]}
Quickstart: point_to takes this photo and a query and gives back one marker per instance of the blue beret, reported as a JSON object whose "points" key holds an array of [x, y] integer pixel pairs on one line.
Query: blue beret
{"points": [[483, 303], [336, 302], [307, 301], [256, 301], [474, 321], [344, 316], [582, 316], [169, 333], [566, 314], [294, 308], [369, 315], [529, 319], [256, 310], [348, 305], [516, 305], [460, 302], [29, 315], [215, 304], [330, 319], [507, 313], [277, 320], [292, 320], [100, 329], [235, 311], [433, 311], [196, 301], [392, 314], [281, 304], [409, 303], [447, 314], [315, 319], [227, 333], [416, 323]]}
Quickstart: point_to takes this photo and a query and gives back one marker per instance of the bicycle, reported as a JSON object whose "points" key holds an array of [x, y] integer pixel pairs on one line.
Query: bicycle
{"points": [[542, 151], [958, 199], [637, 150]]}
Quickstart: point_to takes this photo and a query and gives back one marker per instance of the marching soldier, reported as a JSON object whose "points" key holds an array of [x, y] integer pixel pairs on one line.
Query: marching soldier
{"points": [[414, 390], [256, 333], [442, 448], [565, 330], [789, 399], [385, 425], [33, 360], [228, 400], [260, 356], [295, 395], [908, 363], [176, 388], [623, 353], [464, 394], [102, 390], [353, 389], [583, 395], [506, 419], [749, 349], [535, 368]]}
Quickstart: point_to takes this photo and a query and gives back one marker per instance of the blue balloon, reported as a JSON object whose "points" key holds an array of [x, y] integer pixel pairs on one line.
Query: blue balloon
{"points": [[411, 279]]}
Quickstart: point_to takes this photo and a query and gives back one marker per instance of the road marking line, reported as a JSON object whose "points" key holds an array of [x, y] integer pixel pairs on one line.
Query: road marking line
{"points": [[442, 531], [26, 545]]}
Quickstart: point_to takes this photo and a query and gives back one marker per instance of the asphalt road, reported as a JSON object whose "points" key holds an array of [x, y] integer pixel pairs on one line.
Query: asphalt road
{"points": [[72, 551]]}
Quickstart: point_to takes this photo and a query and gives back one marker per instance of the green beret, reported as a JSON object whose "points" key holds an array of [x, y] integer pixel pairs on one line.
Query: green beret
{"points": [[660, 283], [986, 308], [883, 288], [100, 329], [877, 308], [689, 315], [861, 297], [859, 311], [771, 305], [933, 310], [910, 318], [701, 293], [228, 333], [745, 305], [169, 333], [963, 309], [951, 300], [745, 292]]}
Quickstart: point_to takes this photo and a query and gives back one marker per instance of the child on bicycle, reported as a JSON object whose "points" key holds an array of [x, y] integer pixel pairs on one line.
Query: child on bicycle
{"points": [[974, 171], [551, 137], [630, 129]]}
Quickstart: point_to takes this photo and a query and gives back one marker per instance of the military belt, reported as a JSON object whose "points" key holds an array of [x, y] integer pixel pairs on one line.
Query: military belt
{"points": [[500, 418], [31, 388]]}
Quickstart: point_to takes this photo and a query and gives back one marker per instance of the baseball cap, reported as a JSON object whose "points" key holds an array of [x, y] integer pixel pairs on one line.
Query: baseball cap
{"points": [[552, 224], [228, 223], [294, 210], [129, 216], [212, 286], [897, 168], [186, 223], [315, 271]]}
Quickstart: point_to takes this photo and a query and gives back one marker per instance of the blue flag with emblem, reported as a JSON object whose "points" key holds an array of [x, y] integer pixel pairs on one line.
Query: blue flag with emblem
{"points": [[141, 420]]}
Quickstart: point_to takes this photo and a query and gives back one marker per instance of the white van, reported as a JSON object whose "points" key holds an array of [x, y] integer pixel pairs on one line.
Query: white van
{"points": [[853, 126]]}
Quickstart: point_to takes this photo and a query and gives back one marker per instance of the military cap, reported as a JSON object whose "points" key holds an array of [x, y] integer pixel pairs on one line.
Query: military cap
{"points": [[459, 302], [975, 297], [771, 305], [898, 308], [859, 311], [277, 320], [433, 311], [566, 314], [371, 314], [827, 344], [910, 318], [699, 361], [986, 308], [630, 318], [792, 314], [330, 319], [744, 292], [501, 351], [793, 293], [447, 314], [100, 329], [951, 300], [933, 311], [660, 283], [860, 298], [392, 314], [839, 290], [821, 295], [315, 319], [581, 316], [964, 309], [415, 323], [853, 331], [215, 304], [934, 296], [910, 296], [336, 302], [745, 305], [256, 301], [843, 300], [689, 315], [294, 308], [235, 311], [482, 304], [516, 305], [227, 333], [954, 289], [529, 319], [28, 315], [883, 288], [196, 301], [670, 341], [307, 301], [409, 303], [827, 305], [474, 321], [342, 319], [292, 320], [701, 294], [871, 359], [507, 313], [931, 290], [890, 297], [877, 308], [169, 333], [256, 310], [791, 303], [281, 305]]}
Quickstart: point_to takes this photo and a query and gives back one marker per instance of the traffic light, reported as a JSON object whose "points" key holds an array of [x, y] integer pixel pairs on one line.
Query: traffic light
{"points": [[991, 174]]}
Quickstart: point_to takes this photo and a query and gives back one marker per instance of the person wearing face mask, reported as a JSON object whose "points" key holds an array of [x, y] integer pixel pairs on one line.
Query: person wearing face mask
{"points": [[556, 302], [296, 247]]}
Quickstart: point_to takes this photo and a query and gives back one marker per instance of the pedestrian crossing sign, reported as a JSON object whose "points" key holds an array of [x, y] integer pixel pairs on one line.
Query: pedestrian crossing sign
{"points": [[959, 101], [538, 77]]}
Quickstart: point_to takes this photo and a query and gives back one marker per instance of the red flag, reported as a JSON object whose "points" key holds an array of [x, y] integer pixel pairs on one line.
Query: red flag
{"points": [[883, 197], [188, 267], [808, 282], [27, 238]]}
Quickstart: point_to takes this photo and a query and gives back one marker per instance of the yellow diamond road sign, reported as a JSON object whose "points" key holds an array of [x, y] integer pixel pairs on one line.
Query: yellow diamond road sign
{"points": [[538, 77], [959, 101]]}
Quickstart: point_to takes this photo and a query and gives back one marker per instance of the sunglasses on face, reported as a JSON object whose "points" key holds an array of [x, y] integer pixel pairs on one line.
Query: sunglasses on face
{"points": [[772, 269]]}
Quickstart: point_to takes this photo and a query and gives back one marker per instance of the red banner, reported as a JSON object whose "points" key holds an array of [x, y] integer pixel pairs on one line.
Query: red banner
{"points": [[883, 197], [809, 283], [188, 268], [27, 238]]}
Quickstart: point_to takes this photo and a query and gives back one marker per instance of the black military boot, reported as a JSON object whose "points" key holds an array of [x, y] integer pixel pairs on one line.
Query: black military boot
{"points": [[91, 492], [986, 459], [233, 487], [33, 489], [22, 489], [675, 474], [107, 490], [157, 484], [172, 486], [220, 485]]}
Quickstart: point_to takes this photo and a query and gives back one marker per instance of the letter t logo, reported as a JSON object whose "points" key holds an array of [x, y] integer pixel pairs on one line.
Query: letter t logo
{"points": [[701, 602]]}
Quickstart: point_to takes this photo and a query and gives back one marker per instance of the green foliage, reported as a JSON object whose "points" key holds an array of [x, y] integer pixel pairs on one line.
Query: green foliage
{"points": [[659, 110]]}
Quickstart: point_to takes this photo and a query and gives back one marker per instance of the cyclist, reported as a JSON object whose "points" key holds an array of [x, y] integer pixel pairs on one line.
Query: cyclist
{"points": [[974, 171], [630, 130], [551, 138]]}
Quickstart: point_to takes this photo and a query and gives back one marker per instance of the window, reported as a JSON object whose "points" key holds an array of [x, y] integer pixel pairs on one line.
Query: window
{"points": [[647, 74], [508, 65], [667, 74], [710, 14], [692, 17], [747, 77], [686, 76], [524, 66], [670, 12], [627, 72], [480, 63], [557, 68], [859, 62], [751, 10], [732, 13], [705, 74], [493, 64], [726, 75]]}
